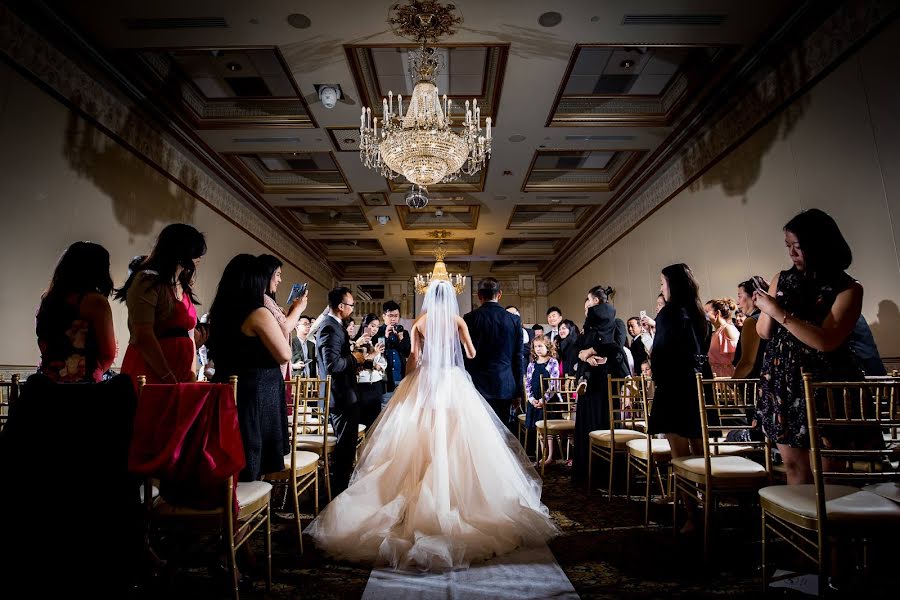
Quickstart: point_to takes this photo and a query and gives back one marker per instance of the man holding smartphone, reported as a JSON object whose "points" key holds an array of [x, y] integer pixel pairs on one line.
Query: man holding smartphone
{"points": [[303, 350], [397, 348]]}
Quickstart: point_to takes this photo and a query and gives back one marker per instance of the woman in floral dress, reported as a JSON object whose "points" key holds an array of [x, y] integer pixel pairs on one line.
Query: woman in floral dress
{"points": [[807, 314]]}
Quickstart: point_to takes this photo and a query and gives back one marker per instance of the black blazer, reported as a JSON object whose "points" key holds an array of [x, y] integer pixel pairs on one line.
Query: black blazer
{"points": [[296, 354], [333, 356], [497, 368]]}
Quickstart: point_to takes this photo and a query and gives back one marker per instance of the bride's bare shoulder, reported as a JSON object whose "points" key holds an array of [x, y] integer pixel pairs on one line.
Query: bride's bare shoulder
{"points": [[420, 322], [460, 322]]}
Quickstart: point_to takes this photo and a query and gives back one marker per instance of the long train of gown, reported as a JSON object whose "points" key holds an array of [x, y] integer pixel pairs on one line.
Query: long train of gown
{"points": [[440, 483]]}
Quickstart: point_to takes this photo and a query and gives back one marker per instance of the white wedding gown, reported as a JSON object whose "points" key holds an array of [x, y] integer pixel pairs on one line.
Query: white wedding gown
{"points": [[440, 482]]}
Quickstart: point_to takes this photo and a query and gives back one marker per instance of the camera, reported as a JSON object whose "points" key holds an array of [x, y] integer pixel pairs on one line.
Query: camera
{"points": [[398, 327]]}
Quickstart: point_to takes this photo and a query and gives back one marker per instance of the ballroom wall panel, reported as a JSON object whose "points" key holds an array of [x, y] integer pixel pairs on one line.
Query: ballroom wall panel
{"points": [[836, 148], [62, 180]]}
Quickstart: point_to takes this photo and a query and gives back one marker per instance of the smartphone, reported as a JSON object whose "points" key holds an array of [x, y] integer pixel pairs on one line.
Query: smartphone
{"points": [[297, 291], [643, 313], [381, 341]]}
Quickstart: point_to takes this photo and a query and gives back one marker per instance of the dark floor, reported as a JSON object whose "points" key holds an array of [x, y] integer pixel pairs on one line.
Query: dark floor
{"points": [[605, 550]]}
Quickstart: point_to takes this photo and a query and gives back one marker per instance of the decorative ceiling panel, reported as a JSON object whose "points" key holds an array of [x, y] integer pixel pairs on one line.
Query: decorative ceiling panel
{"points": [[464, 183], [470, 71], [351, 247], [635, 86], [453, 266], [227, 87], [530, 246], [319, 218], [453, 247], [554, 216], [451, 217], [580, 170], [364, 267], [517, 266], [291, 172]]}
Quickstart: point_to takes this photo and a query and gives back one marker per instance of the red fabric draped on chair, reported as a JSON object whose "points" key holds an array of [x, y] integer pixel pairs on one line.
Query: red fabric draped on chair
{"points": [[187, 436]]}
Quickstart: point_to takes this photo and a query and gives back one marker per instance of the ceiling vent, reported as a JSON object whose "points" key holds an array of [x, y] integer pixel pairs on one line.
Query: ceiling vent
{"points": [[176, 23], [599, 138], [266, 140], [680, 20]]}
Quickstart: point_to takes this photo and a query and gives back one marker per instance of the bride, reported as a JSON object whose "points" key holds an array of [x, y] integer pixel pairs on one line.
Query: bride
{"points": [[440, 482]]}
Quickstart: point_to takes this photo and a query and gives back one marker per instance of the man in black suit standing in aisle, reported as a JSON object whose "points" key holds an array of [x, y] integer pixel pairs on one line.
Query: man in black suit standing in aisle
{"points": [[334, 358], [303, 350], [497, 368]]}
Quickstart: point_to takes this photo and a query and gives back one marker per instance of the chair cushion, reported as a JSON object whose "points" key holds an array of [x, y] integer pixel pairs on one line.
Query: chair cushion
{"points": [[887, 489], [360, 428], [521, 417], [601, 437], [313, 440], [659, 448], [251, 495], [843, 503], [730, 467], [556, 425], [305, 460], [731, 448]]}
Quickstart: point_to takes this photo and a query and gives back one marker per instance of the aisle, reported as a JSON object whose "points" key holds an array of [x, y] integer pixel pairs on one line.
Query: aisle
{"points": [[526, 574]]}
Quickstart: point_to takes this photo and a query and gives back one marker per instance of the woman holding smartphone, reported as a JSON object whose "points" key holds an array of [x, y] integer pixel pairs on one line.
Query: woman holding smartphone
{"points": [[371, 375], [287, 320]]}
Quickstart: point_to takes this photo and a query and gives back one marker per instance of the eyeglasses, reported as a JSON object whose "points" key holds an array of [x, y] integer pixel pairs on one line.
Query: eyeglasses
{"points": [[350, 304]]}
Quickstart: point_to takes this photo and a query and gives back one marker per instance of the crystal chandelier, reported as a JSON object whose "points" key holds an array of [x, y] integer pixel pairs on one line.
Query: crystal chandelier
{"points": [[422, 144], [439, 272]]}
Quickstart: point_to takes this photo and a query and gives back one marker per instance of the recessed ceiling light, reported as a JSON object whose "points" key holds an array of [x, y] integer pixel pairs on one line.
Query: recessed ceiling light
{"points": [[550, 19], [627, 63], [554, 200], [349, 140], [507, 173], [517, 138], [233, 66], [299, 21]]}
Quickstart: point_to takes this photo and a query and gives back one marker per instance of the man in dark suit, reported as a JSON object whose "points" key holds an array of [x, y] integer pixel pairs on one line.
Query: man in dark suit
{"points": [[397, 348], [497, 368], [303, 350], [334, 358], [554, 318]]}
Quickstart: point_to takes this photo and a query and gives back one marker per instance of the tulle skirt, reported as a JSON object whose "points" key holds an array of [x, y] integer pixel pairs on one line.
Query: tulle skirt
{"points": [[440, 483]]}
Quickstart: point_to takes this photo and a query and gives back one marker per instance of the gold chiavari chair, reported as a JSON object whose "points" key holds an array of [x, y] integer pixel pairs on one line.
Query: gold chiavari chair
{"points": [[558, 413], [845, 421], [9, 393], [313, 400], [252, 503], [301, 467], [707, 478], [626, 409], [650, 457], [522, 432]]}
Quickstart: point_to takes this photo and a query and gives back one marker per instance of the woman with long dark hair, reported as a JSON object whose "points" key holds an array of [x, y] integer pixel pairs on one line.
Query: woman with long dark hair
{"points": [[74, 323], [807, 315], [271, 266], [371, 373], [161, 313], [601, 354], [568, 347], [246, 340]]}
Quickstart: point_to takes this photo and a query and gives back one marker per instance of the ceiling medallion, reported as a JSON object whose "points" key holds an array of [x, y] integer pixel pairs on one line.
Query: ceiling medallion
{"points": [[422, 145], [439, 272]]}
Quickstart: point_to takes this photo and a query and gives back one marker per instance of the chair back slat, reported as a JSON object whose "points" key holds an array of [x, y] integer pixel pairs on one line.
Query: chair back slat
{"points": [[627, 402], [559, 397], [730, 400]]}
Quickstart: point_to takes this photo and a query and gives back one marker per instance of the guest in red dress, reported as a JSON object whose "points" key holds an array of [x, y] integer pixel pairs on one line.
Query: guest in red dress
{"points": [[74, 323], [161, 313]]}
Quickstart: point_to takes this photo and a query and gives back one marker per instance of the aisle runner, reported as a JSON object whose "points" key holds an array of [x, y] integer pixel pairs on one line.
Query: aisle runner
{"points": [[527, 574]]}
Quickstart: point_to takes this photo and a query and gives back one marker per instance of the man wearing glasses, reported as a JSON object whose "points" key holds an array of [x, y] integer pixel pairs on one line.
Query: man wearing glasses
{"points": [[334, 358]]}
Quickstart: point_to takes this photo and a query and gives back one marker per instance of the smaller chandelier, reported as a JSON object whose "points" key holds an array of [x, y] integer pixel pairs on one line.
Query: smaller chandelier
{"points": [[438, 273], [422, 144]]}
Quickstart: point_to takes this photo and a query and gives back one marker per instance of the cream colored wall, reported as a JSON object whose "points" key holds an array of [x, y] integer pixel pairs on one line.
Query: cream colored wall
{"points": [[61, 180], [837, 148]]}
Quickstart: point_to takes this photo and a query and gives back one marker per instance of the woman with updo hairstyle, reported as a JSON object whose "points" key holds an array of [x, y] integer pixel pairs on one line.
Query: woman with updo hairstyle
{"points": [[725, 336], [750, 350], [601, 354], [74, 324], [161, 315]]}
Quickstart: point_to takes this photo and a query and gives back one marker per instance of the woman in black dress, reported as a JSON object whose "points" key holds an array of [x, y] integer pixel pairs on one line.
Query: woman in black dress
{"points": [[246, 340], [807, 315], [567, 349], [600, 354]]}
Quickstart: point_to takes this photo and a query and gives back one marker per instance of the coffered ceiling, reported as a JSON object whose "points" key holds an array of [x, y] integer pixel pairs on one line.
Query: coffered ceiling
{"points": [[578, 108]]}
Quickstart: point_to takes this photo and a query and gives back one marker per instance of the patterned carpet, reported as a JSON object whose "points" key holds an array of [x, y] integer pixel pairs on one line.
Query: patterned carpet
{"points": [[605, 551]]}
